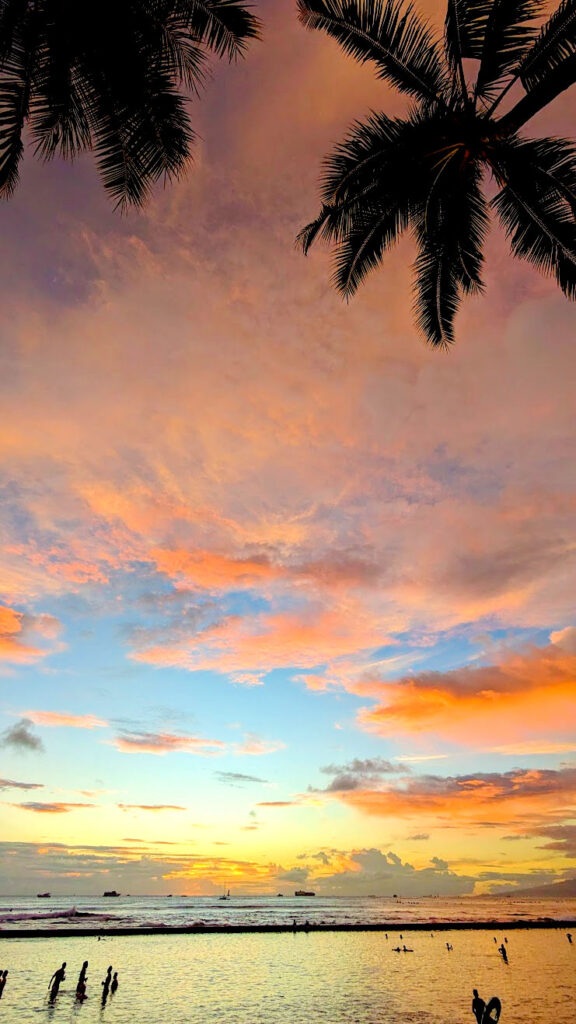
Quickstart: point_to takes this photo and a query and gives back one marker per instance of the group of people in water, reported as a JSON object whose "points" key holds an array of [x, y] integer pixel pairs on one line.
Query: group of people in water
{"points": [[109, 985]]}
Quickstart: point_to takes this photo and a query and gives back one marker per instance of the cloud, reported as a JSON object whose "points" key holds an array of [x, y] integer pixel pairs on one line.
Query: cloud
{"points": [[151, 807], [51, 808], [372, 872], [521, 797], [257, 746], [278, 803], [237, 778], [11, 784], [160, 743], [358, 773], [64, 718], [18, 632], [21, 737], [419, 836], [522, 703]]}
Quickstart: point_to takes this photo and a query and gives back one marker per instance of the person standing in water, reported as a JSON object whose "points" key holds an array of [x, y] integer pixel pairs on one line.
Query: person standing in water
{"points": [[114, 984], [55, 981], [81, 986], [106, 985], [478, 1006], [3, 977]]}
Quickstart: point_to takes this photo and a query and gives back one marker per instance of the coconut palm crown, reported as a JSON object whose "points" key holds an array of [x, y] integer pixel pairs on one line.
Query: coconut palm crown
{"points": [[425, 171], [109, 76]]}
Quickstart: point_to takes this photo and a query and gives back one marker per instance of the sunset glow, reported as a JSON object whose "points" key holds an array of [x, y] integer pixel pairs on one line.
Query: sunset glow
{"points": [[286, 597]]}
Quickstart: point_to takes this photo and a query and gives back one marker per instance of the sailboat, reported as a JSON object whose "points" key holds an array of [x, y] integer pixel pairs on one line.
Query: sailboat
{"points": [[225, 895]]}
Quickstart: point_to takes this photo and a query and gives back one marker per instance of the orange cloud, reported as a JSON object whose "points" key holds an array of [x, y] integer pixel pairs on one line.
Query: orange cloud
{"points": [[64, 718], [524, 703], [14, 627], [214, 571], [258, 644], [519, 799]]}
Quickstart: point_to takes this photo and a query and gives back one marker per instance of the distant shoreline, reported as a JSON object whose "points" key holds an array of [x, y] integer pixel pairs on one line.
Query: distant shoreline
{"points": [[239, 929]]}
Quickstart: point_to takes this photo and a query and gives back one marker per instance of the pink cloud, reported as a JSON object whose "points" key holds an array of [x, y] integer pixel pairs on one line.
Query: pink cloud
{"points": [[161, 743], [64, 718]]}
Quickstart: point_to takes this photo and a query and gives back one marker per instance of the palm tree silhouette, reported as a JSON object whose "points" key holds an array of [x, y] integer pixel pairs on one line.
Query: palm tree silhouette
{"points": [[425, 171], [110, 76]]}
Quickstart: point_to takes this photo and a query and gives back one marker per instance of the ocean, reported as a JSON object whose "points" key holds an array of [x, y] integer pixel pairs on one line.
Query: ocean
{"points": [[291, 977]]}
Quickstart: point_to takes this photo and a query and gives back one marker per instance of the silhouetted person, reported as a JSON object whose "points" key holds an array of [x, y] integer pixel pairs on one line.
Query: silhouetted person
{"points": [[478, 1006], [114, 984], [495, 939], [406, 950], [396, 949], [3, 977], [294, 925], [448, 946], [56, 980], [106, 985], [81, 986], [569, 937], [502, 950]]}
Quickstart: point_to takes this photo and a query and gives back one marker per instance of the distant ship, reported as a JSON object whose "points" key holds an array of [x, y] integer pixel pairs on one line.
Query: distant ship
{"points": [[111, 892], [303, 892], [43, 895]]}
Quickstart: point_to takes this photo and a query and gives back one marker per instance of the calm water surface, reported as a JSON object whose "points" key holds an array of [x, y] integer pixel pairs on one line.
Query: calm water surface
{"points": [[292, 979]]}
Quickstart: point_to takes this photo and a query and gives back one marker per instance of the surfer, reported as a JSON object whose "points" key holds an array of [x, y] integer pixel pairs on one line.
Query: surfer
{"points": [[492, 1011], [56, 980], [478, 1006]]}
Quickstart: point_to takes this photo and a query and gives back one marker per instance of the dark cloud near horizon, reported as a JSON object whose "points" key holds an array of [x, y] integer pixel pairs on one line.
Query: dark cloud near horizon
{"points": [[21, 736]]}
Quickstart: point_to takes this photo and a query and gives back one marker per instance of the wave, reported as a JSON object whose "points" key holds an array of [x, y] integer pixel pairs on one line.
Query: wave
{"points": [[55, 914]]}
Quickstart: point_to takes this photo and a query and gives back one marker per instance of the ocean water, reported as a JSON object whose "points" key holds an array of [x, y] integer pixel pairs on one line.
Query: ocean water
{"points": [[321, 977], [134, 911]]}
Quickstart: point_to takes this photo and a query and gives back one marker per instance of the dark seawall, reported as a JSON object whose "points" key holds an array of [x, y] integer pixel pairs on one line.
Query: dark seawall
{"points": [[240, 929]]}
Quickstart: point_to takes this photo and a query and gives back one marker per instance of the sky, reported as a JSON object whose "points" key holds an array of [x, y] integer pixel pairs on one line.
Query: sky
{"points": [[286, 597]]}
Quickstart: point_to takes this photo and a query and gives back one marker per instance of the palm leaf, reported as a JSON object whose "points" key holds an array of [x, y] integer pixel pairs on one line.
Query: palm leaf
{"points": [[387, 32], [508, 35], [224, 26], [463, 35], [537, 210], [547, 69], [375, 228], [555, 44], [450, 235], [437, 293]]}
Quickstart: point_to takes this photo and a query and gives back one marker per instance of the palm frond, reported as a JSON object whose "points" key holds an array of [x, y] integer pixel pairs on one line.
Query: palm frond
{"points": [[375, 228], [463, 35], [548, 67], [16, 73], [438, 294], [450, 235], [537, 209], [508, 34], [388, 32], [555, 44], [224, 26]]}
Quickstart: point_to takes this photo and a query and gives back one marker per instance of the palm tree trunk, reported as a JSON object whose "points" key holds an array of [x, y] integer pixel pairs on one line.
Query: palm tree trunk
{"points": [[539, 96]]}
